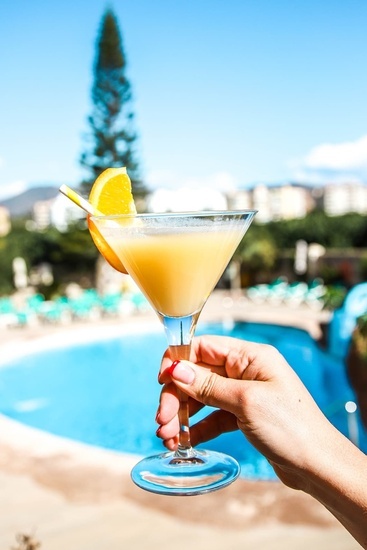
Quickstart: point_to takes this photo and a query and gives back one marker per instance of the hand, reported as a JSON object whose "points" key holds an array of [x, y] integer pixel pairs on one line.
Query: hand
{"points": [[256, 391]]}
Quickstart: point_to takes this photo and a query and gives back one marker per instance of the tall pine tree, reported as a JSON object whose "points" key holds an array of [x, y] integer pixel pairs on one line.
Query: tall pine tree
{"points": [[111, 138]]}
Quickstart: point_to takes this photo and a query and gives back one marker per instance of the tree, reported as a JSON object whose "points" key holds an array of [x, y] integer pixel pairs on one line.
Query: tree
{"points": [[257, 252], [110, 142], [330, 231], [72, 255]]}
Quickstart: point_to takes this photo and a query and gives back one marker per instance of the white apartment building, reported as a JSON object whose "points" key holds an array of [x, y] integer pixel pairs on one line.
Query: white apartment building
{"points": [[281, 202], [64, 212], [58, 212], [240, 199], [273, 202], [341, 198], [42, 214]]}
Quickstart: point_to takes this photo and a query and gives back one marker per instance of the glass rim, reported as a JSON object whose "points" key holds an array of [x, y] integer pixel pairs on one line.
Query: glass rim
{"points": [[190, 213]]}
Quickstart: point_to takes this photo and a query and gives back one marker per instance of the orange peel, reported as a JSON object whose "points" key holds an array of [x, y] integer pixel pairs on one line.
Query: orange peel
{"points": [[110, 194]]}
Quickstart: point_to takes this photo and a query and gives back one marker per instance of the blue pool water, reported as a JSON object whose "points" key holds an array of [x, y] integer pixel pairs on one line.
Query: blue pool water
{"points": [[105, 393]]}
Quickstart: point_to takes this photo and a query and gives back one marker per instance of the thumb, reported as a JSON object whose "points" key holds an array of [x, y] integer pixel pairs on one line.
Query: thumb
{"points": [[207, 387]]}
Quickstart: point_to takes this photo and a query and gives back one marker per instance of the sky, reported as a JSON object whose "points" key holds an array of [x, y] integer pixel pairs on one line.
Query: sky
{"points": [[226, 94]]}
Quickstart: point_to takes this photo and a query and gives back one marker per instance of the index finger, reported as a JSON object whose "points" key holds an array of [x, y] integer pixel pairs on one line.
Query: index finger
{"points": [[214, 350], [207, 351]]}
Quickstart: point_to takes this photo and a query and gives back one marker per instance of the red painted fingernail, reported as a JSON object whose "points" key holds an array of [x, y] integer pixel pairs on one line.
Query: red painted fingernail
{"points": [[172, 367], [158, 430]]}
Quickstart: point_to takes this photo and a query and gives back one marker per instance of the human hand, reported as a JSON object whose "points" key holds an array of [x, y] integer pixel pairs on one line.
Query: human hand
{"points": [[255, 390]]}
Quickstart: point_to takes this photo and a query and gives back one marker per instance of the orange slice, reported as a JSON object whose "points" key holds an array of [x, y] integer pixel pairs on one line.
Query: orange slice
{"points": [[110, 194]]}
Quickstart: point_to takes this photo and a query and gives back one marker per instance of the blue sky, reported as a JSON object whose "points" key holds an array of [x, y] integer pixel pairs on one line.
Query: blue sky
{"points": [[226, 93]]}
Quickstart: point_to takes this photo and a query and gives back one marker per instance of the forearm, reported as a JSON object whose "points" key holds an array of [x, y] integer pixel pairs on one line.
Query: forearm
{"points": [[338, 479]]}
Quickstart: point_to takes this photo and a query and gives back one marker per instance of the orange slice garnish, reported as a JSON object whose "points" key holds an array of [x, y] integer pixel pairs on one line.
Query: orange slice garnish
{"points": [[110, 194]]}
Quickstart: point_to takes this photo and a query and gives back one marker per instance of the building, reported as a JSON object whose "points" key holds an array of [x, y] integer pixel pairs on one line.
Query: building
{"points": [[273, 202], [278, 202], [42, 214], [65, 212], [5, 224], [239, 199], [341, 198]]}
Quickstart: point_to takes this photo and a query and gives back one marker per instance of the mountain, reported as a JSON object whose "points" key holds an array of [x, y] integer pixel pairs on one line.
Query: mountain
{"points": [[22, 204]]}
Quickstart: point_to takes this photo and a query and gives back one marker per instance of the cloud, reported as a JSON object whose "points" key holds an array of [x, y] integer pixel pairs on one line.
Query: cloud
{"points": [[162, 178], [350, 155], [12, 189], [333, 161], [220, 181], [187, 199]]}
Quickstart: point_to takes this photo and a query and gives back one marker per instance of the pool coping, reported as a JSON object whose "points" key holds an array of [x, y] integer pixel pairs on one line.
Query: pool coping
{"points": [[87, 474]]}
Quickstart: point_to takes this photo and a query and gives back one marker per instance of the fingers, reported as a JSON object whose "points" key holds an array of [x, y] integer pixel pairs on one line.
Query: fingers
{"points": [[167, 417], [171, 444], [214, 350], [206, 429], [169, 431], [169, 405], [226, 356], [208, 387], [225, 373], [209, 350], [212, 426]]}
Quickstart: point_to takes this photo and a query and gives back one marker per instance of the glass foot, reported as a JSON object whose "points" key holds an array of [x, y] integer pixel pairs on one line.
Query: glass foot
{"points": [[204, 472]]}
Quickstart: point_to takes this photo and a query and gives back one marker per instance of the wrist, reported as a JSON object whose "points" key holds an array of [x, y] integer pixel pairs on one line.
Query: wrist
{"points": [[337, 478]]}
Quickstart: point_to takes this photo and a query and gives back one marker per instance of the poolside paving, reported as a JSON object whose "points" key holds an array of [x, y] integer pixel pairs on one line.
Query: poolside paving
{"points": [[69, 495]]}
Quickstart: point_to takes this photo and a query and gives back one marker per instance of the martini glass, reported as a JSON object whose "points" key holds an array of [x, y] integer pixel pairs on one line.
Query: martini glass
{"points": [[176, 259]]}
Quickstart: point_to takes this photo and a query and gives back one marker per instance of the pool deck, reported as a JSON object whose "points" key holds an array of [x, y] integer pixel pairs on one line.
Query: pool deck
{"points": [[69, 495]]}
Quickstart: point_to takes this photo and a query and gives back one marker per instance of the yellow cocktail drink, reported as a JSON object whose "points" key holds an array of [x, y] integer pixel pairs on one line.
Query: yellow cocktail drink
{"points": [[176, 269], [176, 260]]}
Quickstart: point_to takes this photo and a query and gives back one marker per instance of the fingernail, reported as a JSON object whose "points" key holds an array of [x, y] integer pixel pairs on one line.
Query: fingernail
{"points": [[157, 416], [172, 367], [181, 372], [158, 430]]}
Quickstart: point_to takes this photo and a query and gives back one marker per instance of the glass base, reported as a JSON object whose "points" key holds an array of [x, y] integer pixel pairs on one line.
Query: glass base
{"points": [[167, 474]]}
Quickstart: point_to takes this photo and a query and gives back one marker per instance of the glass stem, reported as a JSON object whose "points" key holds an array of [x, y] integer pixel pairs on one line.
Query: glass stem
{"points": [[180, 331], [184, 444]]}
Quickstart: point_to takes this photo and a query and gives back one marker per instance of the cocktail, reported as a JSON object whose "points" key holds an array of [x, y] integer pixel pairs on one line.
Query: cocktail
{"points": [[176, 259]]}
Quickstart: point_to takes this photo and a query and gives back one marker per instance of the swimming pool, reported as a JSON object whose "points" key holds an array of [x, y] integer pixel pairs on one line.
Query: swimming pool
{"points": [[105, 392]]}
